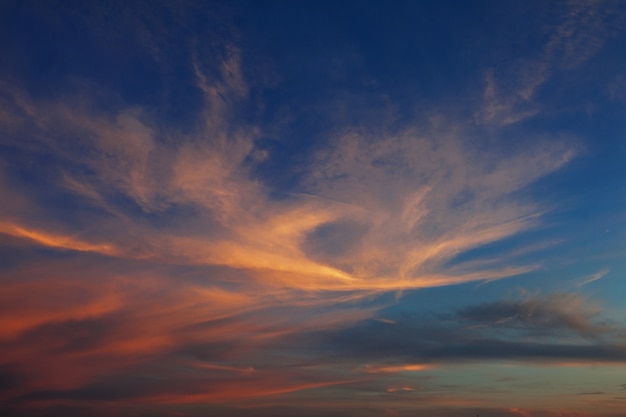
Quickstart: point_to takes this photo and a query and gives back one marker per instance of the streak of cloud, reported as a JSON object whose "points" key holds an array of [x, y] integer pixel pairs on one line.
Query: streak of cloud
{"points": [[581, 32], [380, 214], [593, 277], [431, 213]]}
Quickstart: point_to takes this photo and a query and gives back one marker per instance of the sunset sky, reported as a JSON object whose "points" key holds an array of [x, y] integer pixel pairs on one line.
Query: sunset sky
{"points": [[312, 208]]}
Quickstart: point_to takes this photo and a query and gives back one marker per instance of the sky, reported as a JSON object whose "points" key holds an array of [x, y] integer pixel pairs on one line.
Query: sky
{"points": [[303, 208]]}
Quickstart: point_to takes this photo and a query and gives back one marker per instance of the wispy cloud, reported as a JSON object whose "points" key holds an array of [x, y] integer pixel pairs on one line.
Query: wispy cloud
{"points": [[384, 214], [555, 330], [376, 214], [578, 33], [593, 277], [559, 311]]}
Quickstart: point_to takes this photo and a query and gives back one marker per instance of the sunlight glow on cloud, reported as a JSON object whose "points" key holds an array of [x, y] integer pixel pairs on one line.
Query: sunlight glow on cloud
{"points": [[415, 199], [379, 214], [411, 367]]}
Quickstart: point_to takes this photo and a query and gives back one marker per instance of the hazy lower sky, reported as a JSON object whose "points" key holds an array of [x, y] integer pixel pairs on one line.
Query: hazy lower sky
{"points": [[312, 208]]}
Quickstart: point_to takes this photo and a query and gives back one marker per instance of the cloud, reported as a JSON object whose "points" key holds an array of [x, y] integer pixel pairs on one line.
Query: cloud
{"points": [[593, 277], [411, 367], [520, 412], [170, 251], [55, 241], [414, 198], [559, 330], [424, 198], [578, 32], [552, 313]]}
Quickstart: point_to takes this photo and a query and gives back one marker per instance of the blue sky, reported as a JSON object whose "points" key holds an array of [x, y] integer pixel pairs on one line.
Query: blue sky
{"points": [[274, 208]]}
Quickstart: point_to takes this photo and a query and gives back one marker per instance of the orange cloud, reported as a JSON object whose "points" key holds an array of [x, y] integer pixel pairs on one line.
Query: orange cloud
{"points": [[240, 390], [402, 388], [412, 203], [55, 240], [30, 304], [521, 412], [410, 367]]}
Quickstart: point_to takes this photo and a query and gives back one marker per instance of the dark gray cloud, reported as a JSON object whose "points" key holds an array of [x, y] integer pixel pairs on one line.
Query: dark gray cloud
{"points": [[551, 329], [554, 313], [9, 377]]}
